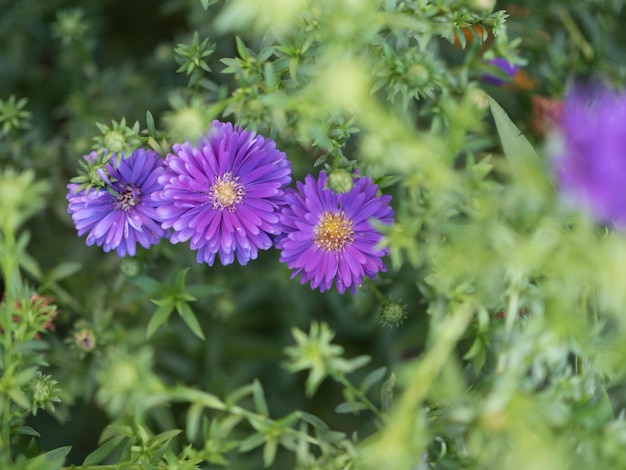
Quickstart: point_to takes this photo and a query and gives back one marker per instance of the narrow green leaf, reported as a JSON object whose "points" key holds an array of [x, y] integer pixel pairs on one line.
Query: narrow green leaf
{"points": [[148, 284], [158, 318], [313, 420], [271, 81], [184, 310], [150, 123], [179, 282], [515, 146], [164, 301], [63, 270], [373, 377], [253, 441], [193, 421], [349, 407], [386, 392], [359, 362], [287, 422], [51, 460], [269, 452], [165, 436], [259, 398], [239, 394], [126, 450], [26, 431], [102, 452], [241, 49]]}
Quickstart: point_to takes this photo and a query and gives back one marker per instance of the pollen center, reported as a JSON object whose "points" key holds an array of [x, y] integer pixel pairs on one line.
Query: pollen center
{"points": [[226, 192], [334, 231], [128, 198]]}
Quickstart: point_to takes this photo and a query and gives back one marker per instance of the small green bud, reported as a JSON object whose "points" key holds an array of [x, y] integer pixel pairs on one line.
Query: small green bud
{"points": [[340, 180], [418, 74], [130, 267], [115, 141], [478, 98], [483, 5], [45, 392], [392, 314]]}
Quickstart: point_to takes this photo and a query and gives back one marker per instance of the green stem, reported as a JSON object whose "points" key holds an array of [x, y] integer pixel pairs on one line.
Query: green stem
{"points": [[342, 379], [512, 309], [379, 296], [8, 264], [575, 33]]}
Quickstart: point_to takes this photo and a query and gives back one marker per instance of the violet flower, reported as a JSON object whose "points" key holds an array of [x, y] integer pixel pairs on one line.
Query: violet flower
{"points": [[329, 237], [224, 194], [590, 154], [122, 213]]}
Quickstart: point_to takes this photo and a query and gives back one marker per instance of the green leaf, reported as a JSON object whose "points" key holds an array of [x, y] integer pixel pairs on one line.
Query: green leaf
{"points": [[63, 270], [358, 362], [203, 290], [51, 460], [386, 392], [179, 282], [515, 146], [253, 441], [26, 431], [150, 123], [102, 452], [193, 421], [159, 317], [184, 310], [165, 437], [259, 398], [373, 377], [148, 284], [269, 453], [242, 49], [30, 265], [349, 407], [313, 420], [239, 394]]}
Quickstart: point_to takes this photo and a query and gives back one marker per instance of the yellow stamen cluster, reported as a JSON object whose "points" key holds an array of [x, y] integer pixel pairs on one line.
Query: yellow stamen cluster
{"points": [[226, 192], [334, 231]]}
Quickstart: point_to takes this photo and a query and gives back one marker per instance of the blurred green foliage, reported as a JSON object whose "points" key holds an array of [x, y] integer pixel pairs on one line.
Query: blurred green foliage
{"points": [[495, 339]]}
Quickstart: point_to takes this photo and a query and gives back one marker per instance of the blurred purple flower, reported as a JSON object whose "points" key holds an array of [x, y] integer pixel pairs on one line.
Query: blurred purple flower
{"points": [[123, 212], [329, 237], [590, 154], [224, 194], [507, 67]]}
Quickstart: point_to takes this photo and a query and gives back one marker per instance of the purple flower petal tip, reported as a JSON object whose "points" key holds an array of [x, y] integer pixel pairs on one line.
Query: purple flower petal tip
{"points": [[503, 64]]}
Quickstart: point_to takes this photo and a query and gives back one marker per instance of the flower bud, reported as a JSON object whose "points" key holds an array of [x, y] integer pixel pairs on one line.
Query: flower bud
{"points": [[340, 180], [85, 339], [130, 267], [392, 314], [483, 5]]}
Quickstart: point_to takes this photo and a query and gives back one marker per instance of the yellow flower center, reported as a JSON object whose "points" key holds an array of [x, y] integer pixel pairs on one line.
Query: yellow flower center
{"points": [[226, 192], [334, 231]]}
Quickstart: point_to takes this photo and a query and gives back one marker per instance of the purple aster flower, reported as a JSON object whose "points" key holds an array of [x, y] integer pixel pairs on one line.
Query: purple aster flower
{"points": [[123, 212], [329, 237], [507, 67], [590, 152], [224, 194]]}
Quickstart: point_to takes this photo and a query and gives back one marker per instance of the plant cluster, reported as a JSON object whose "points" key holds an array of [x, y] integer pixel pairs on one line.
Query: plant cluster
{"points": [[458, 167]]}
